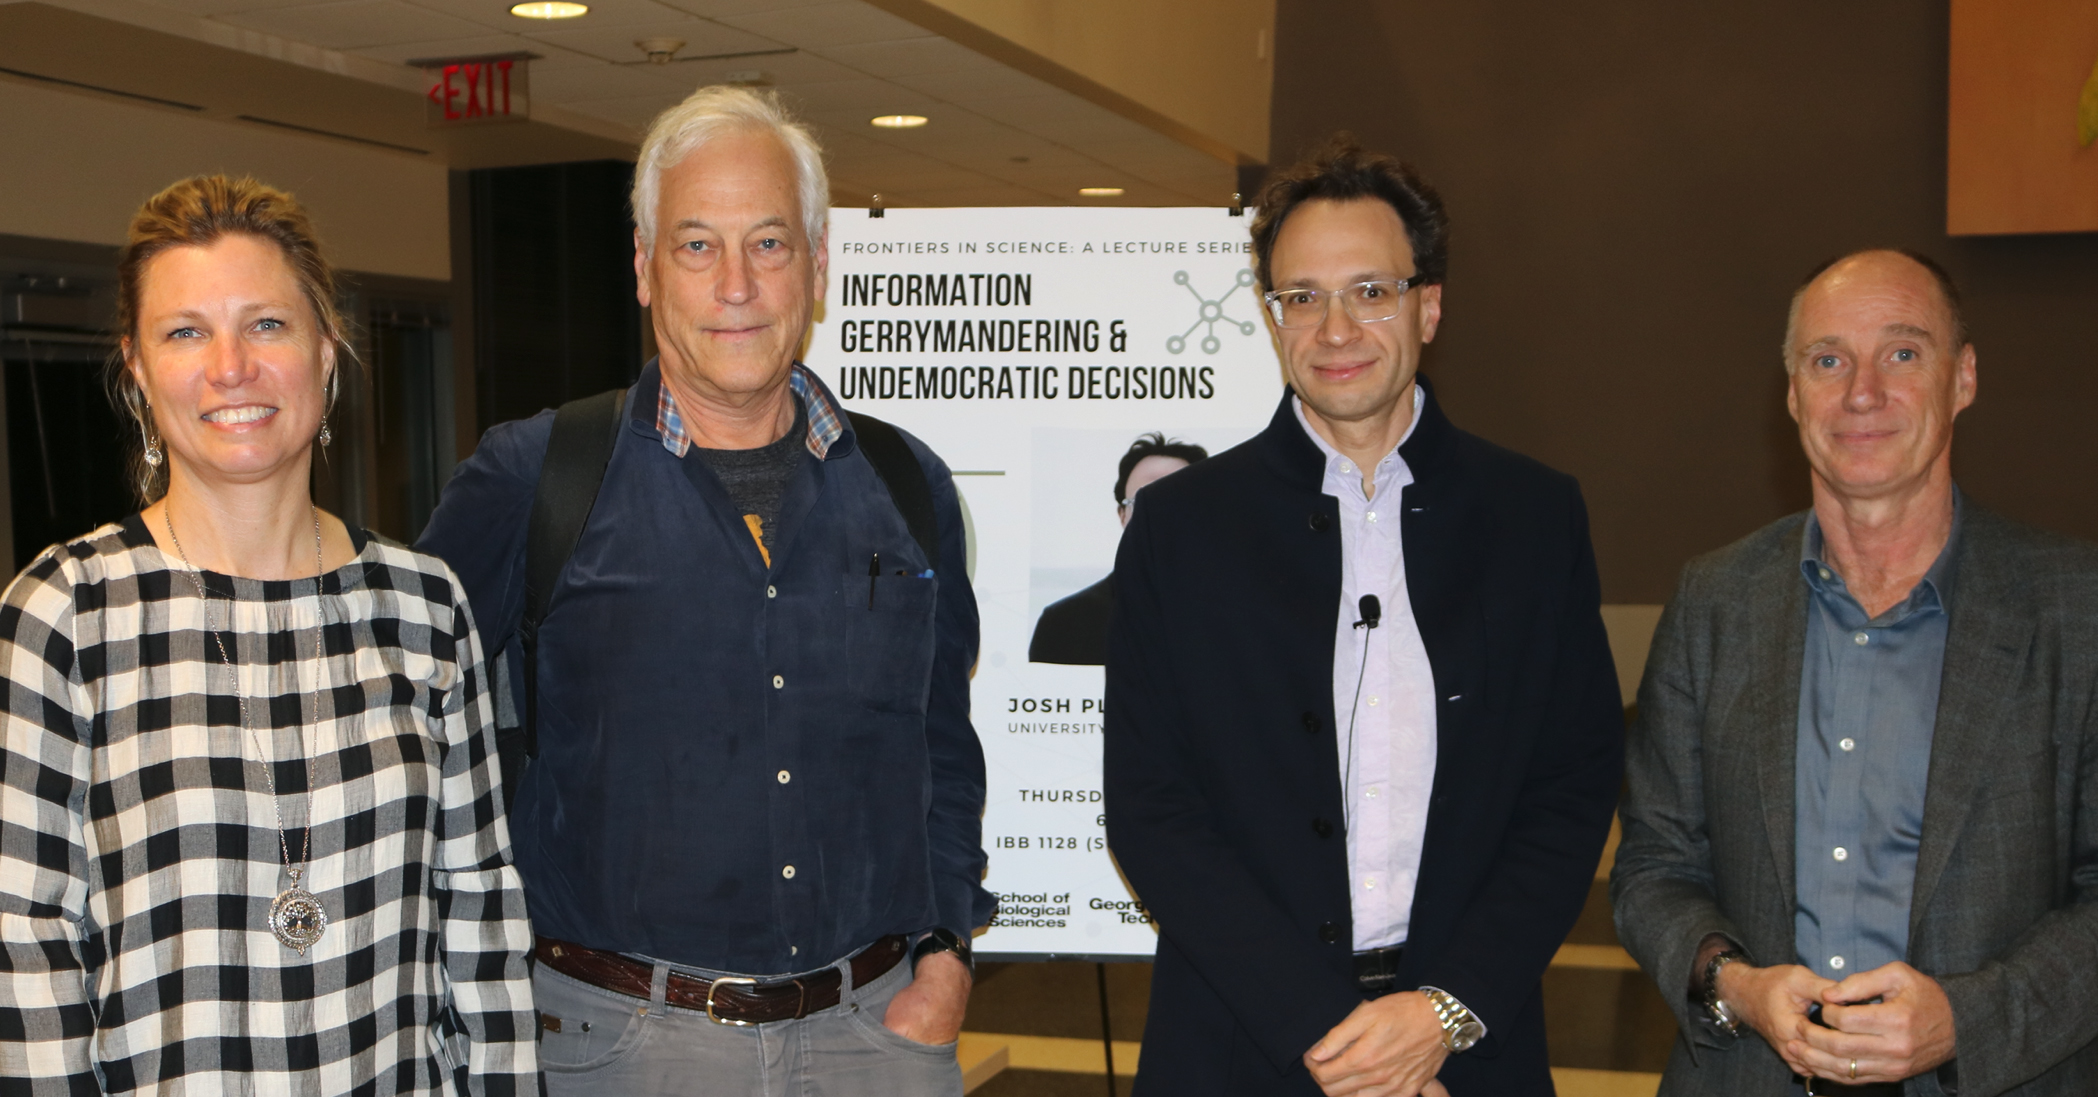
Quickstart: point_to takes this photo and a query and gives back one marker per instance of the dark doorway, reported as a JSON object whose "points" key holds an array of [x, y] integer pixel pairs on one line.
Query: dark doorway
{"points": [[554, 314], [66, 462], [66, 447], [414, 440]]}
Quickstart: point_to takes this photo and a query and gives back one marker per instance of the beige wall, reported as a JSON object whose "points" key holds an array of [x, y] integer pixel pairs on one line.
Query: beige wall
{"points": [[75, 166], [1199, 70]]}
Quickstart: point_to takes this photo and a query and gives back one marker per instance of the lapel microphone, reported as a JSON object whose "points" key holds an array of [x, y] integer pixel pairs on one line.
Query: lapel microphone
{"points": [[1372, 613]]}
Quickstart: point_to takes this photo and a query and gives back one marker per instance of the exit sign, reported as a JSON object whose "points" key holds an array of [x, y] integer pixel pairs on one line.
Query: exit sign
{"points": [[470, 91]]}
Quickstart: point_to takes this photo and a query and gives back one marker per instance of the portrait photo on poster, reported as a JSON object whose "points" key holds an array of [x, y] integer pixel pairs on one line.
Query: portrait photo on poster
{"points": [[1079, 511]]}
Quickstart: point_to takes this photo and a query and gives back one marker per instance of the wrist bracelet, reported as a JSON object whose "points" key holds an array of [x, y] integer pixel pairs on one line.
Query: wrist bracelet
{"points": [[1716, 1011]]}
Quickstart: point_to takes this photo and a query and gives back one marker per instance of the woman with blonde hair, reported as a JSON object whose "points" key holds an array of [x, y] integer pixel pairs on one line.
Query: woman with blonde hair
{"points": [[251, 837]]}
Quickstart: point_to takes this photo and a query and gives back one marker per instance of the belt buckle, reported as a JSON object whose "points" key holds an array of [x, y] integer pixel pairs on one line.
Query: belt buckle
{"points": [[717, 984]]}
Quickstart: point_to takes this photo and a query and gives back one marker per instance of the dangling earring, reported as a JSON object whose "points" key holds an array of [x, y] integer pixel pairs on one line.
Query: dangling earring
{"points": [[326, 437], [145, 430]]}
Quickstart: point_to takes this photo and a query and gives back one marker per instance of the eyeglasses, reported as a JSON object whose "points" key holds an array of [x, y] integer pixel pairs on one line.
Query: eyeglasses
{"points": [[1364, 302]]}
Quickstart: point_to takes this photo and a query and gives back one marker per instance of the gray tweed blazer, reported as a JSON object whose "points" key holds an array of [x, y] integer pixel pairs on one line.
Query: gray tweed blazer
{"points": [[2005, 911]]}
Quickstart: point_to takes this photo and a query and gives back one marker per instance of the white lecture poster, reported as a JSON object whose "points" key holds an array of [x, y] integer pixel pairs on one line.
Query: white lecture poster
{"points": [[1029, 348]]}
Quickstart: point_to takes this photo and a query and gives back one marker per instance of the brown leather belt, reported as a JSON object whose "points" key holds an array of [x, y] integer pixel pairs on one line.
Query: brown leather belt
{"points": [[727, 1001]]}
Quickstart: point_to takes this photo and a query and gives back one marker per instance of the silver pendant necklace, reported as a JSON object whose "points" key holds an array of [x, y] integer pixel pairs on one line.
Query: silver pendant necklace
{"points": [[297, 917]]}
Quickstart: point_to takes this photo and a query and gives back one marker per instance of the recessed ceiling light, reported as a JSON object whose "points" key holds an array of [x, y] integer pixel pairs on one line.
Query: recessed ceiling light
{"points": [[1101, 192], [549, 9], [899, 121]]}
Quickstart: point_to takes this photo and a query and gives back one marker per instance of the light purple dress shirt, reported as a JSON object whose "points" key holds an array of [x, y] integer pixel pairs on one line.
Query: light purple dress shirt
{"points": [[1388, 762]]}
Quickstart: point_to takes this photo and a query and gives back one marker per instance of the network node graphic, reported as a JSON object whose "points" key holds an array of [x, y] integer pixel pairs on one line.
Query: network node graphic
{"points": [[1212, 314]]}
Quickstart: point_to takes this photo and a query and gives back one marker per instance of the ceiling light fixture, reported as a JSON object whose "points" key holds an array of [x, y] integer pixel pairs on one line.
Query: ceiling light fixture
{"points": [[1101, 192], [660, 50], [549, 9], [899, 121]]}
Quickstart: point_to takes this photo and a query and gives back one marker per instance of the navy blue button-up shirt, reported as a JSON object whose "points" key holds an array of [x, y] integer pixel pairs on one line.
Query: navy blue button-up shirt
{"points": [[1868, 706], [746, 767]]}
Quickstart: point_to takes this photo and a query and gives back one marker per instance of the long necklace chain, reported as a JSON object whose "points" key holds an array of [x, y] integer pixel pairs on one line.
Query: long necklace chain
{"points": [[320, 658]]}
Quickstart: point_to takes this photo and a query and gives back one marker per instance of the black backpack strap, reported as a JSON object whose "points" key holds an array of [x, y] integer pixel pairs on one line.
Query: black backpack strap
{"points": [[577, 453], [901, 473]]}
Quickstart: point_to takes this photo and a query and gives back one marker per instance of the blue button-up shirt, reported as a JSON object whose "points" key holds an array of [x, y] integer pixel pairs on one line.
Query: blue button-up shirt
{"points": [[746, 765], [1868, 705]]}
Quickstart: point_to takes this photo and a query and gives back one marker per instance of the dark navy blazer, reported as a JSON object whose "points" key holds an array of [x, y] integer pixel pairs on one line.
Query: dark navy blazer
{"points": [[707, 721], [1222, 779]]}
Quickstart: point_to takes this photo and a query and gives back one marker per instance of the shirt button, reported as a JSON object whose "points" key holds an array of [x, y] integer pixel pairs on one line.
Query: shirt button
{"points": [[1372, 793], [787, 872], [1836, 962], [1373, 702], [1824, 573], [1347, 466], [1369, 883], [1372, 516], [778, 682], [771, 592], [1842, 854], [1848, 744], [1862, 639], [785, 777]]}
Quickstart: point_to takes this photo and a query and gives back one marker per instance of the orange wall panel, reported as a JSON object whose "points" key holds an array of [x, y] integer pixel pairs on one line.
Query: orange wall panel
{"points": [[2015, 162]]}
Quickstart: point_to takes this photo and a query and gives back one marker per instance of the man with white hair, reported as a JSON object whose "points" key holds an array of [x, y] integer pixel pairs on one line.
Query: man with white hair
{"points": [[751, 837]]}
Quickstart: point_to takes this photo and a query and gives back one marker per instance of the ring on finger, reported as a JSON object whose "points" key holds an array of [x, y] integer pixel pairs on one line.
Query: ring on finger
{"points": [[1853, 1070]]}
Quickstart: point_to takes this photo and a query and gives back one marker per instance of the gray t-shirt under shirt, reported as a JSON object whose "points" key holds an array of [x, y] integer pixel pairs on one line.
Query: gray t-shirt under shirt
{"points": [[757, 478]]}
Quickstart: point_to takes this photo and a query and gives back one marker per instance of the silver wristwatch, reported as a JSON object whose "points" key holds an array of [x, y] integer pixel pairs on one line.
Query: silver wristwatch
{"points": [[1716, 1011], [1461, 1028]]}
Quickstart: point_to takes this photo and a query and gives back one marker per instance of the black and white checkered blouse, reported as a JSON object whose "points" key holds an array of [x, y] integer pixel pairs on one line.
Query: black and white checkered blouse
{"points": [[139, 844]]}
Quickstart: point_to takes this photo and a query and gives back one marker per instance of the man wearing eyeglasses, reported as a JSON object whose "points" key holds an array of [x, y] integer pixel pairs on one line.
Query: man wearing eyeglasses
{"points": [[1363, 735]]}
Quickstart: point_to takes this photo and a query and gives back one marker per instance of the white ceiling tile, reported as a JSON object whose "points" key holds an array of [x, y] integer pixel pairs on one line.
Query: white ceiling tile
{"points": [[1057, 175], [603, 13], [546, 58], [1156, 152], [1025, 111], [1031, 153], [783, 70], [848, 104], [908, 56], [714, 8], [900, 172], [493, 14], [355, 23], [1065, 119], [975, 85], [601, 81], [965, 144], [837, 143], [619, 44], [992, 195], [827, 25], [636, 111], [227, 7]]}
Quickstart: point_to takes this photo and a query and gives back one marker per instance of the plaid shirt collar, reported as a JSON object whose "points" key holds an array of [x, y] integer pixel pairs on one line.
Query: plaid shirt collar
{"points": [[825, 421]]}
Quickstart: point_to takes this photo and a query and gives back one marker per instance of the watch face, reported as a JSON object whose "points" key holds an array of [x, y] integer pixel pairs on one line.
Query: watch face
{"points": [[1467, 1034]]}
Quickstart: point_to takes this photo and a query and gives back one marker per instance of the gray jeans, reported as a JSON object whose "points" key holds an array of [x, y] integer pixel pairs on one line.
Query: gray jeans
{"points": [[611, 1045]]}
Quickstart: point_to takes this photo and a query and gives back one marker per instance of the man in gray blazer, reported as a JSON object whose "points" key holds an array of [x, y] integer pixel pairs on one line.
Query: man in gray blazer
{"points": [[1864, 776]]}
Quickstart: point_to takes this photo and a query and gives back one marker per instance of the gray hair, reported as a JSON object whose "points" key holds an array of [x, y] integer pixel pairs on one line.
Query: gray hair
{"points": [[708, 113]]}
